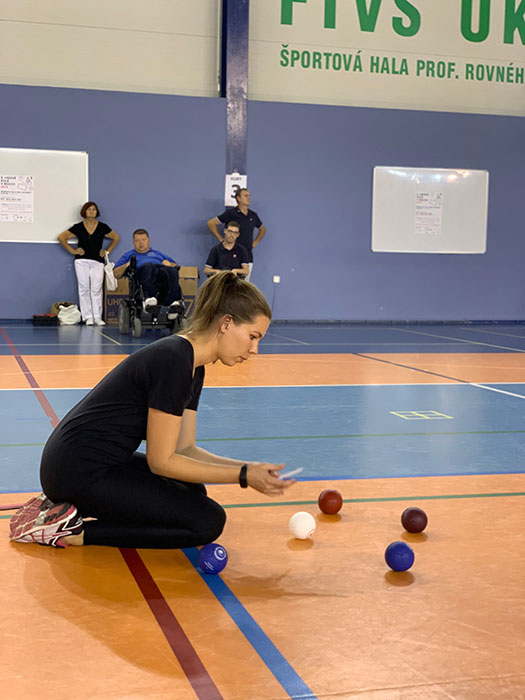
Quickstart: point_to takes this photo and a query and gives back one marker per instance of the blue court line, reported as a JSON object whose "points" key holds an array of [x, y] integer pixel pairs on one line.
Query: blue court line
{"points": [[292, 683]]}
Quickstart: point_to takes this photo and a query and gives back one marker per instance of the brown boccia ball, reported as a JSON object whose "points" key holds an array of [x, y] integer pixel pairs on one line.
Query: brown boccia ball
{"points": [[330, 501], [414, 519]]}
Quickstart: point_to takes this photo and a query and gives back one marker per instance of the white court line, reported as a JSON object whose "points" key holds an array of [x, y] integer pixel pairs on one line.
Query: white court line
{"points": [[460, 340], [420, 344], [109, 338], [261, 386], [505, 335], [499, 391], [276, 335]]}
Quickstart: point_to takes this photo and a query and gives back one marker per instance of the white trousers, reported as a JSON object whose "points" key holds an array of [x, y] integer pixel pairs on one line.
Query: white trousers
{"points": [[247, 278], [90, 277]]}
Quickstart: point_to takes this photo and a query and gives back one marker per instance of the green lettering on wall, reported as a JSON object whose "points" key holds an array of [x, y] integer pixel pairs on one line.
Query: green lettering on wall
{"points": [[329, 14], [514, 20], [413, 15], [287, 11], [368, 17], [466, 20]]}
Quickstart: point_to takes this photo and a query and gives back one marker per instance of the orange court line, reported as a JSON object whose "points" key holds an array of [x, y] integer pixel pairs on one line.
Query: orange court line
{"points": [[396, 487], [313, 369], [469, 367], [11, 376], [72, 371], [80, 371]]}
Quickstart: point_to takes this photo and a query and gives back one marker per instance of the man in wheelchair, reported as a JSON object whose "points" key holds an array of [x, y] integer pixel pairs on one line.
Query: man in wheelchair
{"points": [[155, 297]]}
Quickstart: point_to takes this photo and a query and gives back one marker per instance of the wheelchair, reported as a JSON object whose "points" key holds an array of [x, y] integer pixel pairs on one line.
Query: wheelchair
{"points": [[132, 316]]}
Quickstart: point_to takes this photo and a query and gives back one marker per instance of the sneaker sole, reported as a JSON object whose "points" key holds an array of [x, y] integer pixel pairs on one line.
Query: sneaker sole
{"points": [[42, 536], [24, 521]]}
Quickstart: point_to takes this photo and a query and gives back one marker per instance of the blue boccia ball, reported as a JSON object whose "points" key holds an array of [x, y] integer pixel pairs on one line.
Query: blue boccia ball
{"points": [[399, 556], [212, 558]]}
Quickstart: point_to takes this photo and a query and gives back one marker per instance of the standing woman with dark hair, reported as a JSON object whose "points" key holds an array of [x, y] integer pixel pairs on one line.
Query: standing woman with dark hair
{"points": [[89, 260], [90, 467]]}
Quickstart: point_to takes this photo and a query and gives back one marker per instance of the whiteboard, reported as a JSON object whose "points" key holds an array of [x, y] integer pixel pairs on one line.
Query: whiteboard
{"points": [[41, 193], [429, 210]]}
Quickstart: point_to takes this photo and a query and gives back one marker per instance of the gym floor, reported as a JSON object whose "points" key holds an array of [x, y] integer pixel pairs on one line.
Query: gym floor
{"points": [[391, 416]]}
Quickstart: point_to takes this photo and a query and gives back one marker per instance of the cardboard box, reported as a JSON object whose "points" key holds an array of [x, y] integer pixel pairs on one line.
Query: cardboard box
{"points": [[112, 301], [188, 279]]}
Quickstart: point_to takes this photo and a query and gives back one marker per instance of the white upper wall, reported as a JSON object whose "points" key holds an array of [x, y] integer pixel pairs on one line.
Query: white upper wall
{"points": [[158, 46], [401, 54], [446, 55]]}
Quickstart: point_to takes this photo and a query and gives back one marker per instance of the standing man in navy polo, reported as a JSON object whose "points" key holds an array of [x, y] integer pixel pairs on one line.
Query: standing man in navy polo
{"points": [[248, 221], [228, 255]]}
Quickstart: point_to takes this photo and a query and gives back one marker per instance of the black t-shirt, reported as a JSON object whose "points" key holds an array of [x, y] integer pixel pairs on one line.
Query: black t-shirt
{"points": [[91, 243], [108, 425], [247, 222], [220, 258]]}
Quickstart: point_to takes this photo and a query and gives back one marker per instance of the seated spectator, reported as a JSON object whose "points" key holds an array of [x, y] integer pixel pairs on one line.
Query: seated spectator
{"points": [[228, 254], [157, 273]]}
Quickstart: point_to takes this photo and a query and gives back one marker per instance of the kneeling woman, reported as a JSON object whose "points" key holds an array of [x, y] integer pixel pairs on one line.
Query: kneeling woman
{"points": [[90, 467]]}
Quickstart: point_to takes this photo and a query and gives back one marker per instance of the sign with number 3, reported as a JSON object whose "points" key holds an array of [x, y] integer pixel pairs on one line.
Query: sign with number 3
{"points": [[234, 182]]}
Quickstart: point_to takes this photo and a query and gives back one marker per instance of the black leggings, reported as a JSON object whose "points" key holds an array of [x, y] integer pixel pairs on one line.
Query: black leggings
{"points": [[135, 508]]}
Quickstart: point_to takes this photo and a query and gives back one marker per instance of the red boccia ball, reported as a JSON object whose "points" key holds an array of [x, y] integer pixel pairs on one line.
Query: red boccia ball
{"points": [[330, 501], [414, 519]]}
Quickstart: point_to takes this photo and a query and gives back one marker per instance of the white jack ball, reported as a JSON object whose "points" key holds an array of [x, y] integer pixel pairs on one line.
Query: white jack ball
{"points": [[302, 525]]}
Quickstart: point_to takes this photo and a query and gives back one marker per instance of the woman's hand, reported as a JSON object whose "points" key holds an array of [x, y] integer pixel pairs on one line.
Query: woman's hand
{"points": [[80, 251], [264, 477], [102, 252]]}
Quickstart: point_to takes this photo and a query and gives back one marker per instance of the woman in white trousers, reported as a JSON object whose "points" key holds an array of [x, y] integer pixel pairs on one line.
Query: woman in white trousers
{"points": [[89, 260]]}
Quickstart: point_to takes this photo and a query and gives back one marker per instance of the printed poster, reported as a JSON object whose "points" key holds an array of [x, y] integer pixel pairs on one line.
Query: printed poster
{"points": [[17, 202]]}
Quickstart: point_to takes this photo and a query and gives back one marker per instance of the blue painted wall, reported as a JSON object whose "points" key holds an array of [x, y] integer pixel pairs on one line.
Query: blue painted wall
{"points": [[155, 161], [159, 161]]}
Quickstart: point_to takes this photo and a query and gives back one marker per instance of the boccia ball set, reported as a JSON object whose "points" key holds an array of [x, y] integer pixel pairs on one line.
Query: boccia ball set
{"points": [[212, 558], [398, 555]]}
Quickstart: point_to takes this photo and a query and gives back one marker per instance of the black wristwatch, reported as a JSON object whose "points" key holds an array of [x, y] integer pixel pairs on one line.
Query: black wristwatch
{"points": [[243, 476]]}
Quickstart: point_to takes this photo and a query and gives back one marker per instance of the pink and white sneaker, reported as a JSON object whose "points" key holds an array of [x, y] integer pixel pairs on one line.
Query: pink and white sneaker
{"points": [[44, 522]]}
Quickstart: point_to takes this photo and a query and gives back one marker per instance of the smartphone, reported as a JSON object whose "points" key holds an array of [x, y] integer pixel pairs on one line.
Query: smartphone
{"points": [[293, 472]]}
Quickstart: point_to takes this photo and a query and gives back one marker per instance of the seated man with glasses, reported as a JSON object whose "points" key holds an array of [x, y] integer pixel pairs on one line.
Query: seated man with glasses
{"points": [[228, 254]]}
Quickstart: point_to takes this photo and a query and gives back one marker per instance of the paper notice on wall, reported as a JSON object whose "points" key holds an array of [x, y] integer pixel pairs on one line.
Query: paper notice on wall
{"points": [[17, 203], [233, 182], [429, 211]]}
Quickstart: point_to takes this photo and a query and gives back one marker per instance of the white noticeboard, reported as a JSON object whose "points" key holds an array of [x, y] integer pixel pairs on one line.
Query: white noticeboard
{"points": [[41, 193], [429, 210]]}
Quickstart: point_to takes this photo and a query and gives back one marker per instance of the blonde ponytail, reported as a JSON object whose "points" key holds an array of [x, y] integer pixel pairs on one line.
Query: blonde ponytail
{"points": [[226, 294]]}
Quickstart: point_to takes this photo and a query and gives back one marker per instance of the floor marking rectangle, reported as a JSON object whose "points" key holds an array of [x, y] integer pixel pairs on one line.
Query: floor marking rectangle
{"points": [[421, 415]]}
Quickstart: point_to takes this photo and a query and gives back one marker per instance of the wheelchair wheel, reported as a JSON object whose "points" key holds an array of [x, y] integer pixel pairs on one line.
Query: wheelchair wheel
{"points": [[136, 330], [123, 317]]}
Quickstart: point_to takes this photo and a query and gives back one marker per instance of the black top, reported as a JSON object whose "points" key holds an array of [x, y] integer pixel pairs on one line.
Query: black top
{"points": [[247, 222], [91, 243], [220, 258], [110, 422]]}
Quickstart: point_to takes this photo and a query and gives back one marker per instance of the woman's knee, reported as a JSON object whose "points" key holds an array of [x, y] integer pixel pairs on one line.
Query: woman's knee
{"points": [[211, 524]]}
